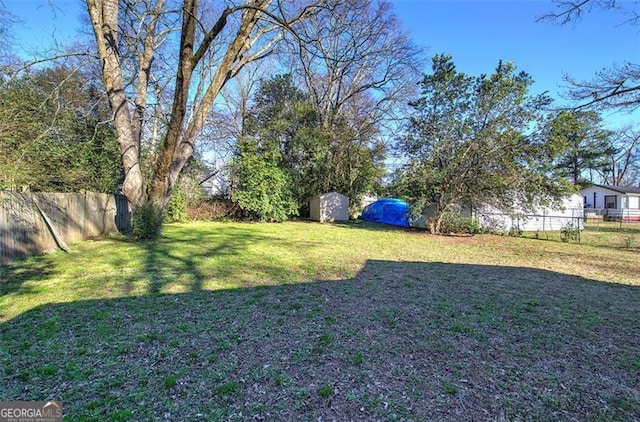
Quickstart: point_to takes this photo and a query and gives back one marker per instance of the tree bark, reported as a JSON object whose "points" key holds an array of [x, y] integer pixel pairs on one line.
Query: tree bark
{"points": [[104, 19], [179, 141]]}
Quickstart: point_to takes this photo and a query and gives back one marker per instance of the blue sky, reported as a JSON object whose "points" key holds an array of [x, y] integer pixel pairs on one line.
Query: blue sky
{"points": [[480, 33], [477, 33], [40, 21]]}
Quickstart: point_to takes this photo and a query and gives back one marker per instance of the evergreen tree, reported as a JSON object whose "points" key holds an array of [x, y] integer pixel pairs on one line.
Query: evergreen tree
{"points": [[469, 141], [582, 145], [55, 135]]}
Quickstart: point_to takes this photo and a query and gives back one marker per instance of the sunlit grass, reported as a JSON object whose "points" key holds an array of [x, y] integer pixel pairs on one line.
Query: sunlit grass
{"points": [[214, 256], [605, 234]]}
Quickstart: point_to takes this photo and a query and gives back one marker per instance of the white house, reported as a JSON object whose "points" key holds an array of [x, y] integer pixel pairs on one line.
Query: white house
{"points": [[612, 202], [329, 207], [568, 212]]}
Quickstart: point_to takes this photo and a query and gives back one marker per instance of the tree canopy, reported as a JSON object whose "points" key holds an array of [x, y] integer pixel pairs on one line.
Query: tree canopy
{"points": [[582, 145], [140, 64], [470, 140], [56, 134], [347, 81], [284, 134]]}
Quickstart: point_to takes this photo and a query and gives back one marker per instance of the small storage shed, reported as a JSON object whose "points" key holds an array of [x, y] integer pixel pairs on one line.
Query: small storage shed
{"points": [[329, 207], [388, 211]]}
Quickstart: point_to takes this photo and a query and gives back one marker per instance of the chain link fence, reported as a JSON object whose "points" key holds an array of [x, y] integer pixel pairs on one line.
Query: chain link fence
{"points": [[591, 228]]}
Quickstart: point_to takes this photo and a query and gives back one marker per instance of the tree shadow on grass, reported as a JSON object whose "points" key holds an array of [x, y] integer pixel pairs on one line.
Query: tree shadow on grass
{"points": [[366, 225], [401, 341], [174, 261], [13, 275]]}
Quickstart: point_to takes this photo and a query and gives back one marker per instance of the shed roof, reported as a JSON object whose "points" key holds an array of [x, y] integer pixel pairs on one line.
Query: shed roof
{"points": [[329, 193]]}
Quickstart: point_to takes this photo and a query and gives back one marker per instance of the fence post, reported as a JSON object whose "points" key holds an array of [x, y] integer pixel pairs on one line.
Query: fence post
{"points": [[621, 217], [579, 227]]}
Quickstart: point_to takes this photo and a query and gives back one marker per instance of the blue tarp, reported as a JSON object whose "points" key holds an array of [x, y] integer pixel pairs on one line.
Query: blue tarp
{"points": [[388, 211]]}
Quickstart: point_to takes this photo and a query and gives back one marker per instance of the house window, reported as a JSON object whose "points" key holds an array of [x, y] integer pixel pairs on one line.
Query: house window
{"points": [[610, 201]]}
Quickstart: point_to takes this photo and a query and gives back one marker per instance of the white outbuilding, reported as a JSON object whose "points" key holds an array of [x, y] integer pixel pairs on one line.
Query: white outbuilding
{"points": [[329, 207], [569, 212]]}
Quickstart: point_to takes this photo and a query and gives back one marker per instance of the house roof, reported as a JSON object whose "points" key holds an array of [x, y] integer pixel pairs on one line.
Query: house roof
{"points": [[621, 189]]}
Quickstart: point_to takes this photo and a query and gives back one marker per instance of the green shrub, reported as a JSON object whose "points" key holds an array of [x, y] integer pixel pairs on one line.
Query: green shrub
{"points": [[570, 232], [176, 210], [146, 222], [472, 225], [455, 223], [263, 189]]}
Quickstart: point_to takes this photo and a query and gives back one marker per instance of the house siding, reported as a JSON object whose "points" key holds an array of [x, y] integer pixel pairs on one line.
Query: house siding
{"points": [[541, 219], [600, 193], [625, 208], [623, 201]]}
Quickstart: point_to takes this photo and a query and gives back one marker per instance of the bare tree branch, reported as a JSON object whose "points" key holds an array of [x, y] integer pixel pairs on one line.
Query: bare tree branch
{"points": [[129, 42], [617, 87], [29, 64]]}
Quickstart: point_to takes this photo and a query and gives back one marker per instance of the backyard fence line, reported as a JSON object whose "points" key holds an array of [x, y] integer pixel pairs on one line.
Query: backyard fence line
{"points": [[614, 214], [530, 222], [35, 223]]}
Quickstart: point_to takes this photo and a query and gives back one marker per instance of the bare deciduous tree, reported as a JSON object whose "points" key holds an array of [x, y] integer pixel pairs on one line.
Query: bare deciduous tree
{"points": [[360, 69], [616, 87], [624, 161], [210, 51], [568, 11], [359, 54]]}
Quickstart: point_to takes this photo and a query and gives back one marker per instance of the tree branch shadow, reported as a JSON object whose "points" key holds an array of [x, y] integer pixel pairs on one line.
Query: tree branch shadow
{"points": [[432, 340]]}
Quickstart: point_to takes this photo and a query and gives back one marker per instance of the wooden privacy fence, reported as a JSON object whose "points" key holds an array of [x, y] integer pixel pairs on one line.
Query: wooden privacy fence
{"points": [[35, 223]]}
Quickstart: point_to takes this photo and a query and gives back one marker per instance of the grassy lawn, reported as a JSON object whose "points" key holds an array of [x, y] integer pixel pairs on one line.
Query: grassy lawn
{"points": [[301, 321], [606, 234], [613, 234]]}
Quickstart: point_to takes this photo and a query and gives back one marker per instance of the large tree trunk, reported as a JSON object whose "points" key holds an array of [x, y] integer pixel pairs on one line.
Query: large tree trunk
{"points": [[104, 18], [149, 200], [179, 142]]}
